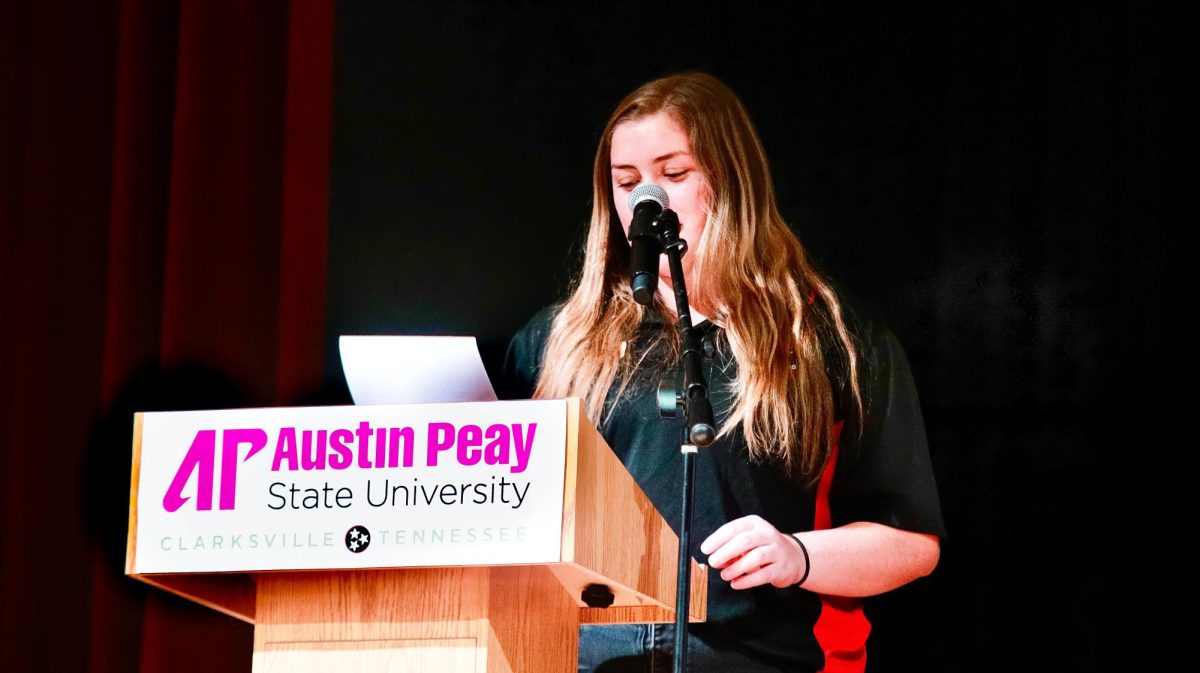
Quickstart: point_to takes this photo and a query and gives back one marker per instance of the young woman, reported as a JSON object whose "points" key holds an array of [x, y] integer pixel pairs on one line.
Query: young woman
{"points": [[818, 490]]}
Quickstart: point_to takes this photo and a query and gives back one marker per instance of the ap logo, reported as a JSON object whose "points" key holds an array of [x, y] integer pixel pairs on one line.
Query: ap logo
{"points": [[358, 539], [201, 460]]}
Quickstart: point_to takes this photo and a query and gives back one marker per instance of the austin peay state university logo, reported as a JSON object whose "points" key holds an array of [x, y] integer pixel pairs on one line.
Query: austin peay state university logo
{"points": [[360, 447]]}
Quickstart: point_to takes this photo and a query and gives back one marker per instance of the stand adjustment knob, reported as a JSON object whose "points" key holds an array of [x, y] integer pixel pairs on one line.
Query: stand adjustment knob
{"points": [[597, 596]]}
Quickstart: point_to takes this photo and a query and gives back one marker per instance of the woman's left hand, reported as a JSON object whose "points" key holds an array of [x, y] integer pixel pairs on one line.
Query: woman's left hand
{"points": [[751, 552]]}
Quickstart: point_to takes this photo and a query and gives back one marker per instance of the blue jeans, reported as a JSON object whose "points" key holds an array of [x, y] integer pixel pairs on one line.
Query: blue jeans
{"points": [[649, 648]]}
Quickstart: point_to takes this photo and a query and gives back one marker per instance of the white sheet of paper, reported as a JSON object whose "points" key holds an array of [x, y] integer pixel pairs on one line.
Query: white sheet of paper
{"points": [[414, 369]]}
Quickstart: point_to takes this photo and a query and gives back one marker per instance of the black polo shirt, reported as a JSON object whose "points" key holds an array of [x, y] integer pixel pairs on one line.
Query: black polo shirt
{"points": [[881, 474]]}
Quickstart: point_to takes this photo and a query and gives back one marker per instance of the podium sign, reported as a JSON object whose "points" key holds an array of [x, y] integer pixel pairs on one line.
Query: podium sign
{"points": [[471, 537], [349, 487]]}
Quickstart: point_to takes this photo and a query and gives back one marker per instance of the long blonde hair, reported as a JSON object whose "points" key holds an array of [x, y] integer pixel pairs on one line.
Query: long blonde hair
{"points": [[750, 274]]}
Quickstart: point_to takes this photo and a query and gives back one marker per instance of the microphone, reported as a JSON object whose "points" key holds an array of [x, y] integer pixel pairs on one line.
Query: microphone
{"points": [[647, 201]]}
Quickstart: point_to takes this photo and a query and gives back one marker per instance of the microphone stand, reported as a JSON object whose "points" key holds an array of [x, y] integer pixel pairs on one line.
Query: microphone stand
{"points": [[699, 429]]}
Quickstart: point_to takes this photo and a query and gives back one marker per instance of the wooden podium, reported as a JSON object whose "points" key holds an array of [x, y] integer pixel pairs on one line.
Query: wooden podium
{"points": [[515, 617]]}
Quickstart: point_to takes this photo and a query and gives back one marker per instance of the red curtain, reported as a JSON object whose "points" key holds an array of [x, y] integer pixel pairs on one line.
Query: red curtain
{"points": [[163, 199]]}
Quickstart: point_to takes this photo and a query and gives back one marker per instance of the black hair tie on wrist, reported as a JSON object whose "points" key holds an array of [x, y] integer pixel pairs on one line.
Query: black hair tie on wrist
{"points": [[807, 564]]}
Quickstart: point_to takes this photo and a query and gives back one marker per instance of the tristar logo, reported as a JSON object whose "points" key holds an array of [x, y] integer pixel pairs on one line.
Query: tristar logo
{"points": [[358, 539], [201, 461]]}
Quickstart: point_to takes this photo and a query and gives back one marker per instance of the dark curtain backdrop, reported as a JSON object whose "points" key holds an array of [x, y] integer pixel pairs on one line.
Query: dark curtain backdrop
{"points": [[163, 191]]}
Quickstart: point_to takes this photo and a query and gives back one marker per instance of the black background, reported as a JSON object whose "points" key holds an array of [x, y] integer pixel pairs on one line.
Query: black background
{"points": [[988, 176]]}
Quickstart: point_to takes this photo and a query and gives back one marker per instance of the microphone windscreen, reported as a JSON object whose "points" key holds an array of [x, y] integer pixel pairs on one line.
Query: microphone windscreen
{"points": [[648, 191]]}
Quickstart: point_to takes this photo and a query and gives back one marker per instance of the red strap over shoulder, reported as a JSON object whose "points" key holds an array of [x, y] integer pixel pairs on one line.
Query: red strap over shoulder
{"points": [[841, 628]]}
